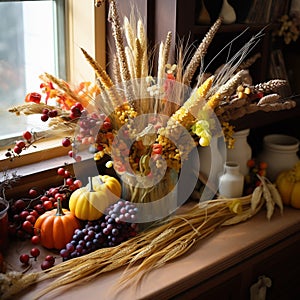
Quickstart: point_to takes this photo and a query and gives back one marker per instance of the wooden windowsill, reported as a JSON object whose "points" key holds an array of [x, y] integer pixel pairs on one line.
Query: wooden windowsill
{"points": [[38, 168], [42, 150]]}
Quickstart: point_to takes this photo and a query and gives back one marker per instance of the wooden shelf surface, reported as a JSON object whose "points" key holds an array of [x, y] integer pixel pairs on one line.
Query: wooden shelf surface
{"points": [[222, 251]]}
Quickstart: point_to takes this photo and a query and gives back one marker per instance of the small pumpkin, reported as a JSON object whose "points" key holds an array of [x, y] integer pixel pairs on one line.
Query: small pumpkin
{"points": [[56, 227], [288, 185], [89, 202]]}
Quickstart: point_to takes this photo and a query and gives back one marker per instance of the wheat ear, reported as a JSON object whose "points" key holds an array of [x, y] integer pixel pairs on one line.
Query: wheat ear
{"points": [[161, 63], [63, 86], [200, 53], [100, 72], [129, 34], [114, 18], [138, 58], [141, 35], [167, 47]]}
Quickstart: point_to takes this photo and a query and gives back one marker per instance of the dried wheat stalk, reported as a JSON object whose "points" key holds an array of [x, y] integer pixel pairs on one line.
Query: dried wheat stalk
{"points": [[138, 58], [142, 37], [153, 248], [200, 52], [167, 47], [114, 18], [116, 70], [129, 34], [100, 72], [249, 62], [33, 108], [271, 86], [63, 86]]}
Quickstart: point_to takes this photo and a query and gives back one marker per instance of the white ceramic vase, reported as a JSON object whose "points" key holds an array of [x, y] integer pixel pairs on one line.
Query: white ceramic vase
{"points": [[231, 183], [280, 153], [203, 17], [241, 152], [227, 13]]}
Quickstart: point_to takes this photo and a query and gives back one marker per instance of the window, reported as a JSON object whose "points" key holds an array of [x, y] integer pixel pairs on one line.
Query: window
{"points": [[32, 41], [77, 23]]}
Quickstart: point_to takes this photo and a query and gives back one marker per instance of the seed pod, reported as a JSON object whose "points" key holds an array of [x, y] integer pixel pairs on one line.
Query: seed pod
{"points": [[270, 204], [256, 197], [275, 196]]}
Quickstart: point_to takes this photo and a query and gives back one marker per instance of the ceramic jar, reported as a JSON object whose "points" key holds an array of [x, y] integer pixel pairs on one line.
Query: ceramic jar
{"points": [[227, 13], [203, 17], [231, 183], [280, 153], [242, 152]]}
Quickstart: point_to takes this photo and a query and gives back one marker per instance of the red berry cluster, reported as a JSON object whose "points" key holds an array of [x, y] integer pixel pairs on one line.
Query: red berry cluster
{"points": [[24, 212], [47, 263], [46, 114], [27, 141], [76, 110], [66, 142], [71, 182], [22, 219], [34, 252]]}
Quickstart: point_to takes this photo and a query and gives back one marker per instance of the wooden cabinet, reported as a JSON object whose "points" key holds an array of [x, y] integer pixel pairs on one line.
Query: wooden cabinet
{"points": [[220, 288], [180, 17], [279, 262], [282, 265]]}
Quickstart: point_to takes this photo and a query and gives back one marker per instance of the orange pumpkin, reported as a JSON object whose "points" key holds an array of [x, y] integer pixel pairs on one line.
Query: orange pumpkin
{"points": [[56, 227]]}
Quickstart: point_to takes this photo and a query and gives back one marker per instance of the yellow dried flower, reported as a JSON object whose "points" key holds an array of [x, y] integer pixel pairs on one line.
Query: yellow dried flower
{"points": [[228, 131]]}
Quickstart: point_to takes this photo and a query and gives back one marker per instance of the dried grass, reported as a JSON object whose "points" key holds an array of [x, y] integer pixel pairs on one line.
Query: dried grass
{"points": [[167, 240]]}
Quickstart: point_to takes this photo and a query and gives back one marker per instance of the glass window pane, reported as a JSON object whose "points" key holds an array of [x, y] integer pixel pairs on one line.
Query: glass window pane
{"points": [[27, 49]]}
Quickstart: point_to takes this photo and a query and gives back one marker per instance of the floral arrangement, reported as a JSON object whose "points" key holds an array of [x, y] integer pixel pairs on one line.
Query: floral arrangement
{"points": [[149, 125], [289, 28]]}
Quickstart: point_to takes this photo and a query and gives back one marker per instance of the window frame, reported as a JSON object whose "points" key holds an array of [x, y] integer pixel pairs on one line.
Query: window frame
{"points": [[80, 17], [60, 39]]}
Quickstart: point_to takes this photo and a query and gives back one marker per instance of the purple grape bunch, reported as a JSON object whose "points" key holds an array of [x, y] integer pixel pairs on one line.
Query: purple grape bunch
{"points": [[114, 227]]}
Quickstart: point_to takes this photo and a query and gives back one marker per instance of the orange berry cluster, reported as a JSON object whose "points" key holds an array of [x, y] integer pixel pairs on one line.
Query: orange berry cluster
{"points": [[251, 180]]}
